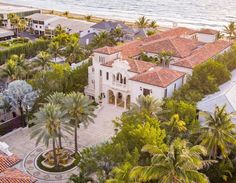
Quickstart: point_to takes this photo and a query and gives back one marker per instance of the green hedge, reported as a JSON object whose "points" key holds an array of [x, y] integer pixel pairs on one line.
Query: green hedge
{"points": [[29, 49]]}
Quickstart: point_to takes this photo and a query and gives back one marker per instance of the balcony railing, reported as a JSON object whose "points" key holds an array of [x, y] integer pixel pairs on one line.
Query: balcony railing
{"points": [[120, 86]]}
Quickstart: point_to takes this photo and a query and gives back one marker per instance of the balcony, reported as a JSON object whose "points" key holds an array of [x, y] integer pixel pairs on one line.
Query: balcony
{"points": [[120, 86]]}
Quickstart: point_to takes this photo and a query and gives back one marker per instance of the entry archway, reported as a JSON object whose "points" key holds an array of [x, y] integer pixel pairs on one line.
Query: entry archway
{"points": [[111, 97], [120, 99]]}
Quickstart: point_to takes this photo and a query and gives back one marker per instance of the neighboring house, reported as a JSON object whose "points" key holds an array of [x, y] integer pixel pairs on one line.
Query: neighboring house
{"points": [[10, 174], [107, 26], [225, 96], [6, 34], [45, 24], [21, 11], [71, 26], [118, 75], [38, 22]]}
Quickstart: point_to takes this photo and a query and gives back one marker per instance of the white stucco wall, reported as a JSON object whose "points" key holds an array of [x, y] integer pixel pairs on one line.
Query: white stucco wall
{"points": [[157, 92]]}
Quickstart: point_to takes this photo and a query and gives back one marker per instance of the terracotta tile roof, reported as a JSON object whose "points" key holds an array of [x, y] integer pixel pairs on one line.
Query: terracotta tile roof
{"points": [[176, 32], [106, 50], [203, 53], [8, 161], [136, 66], [129, 49], [15, 176], [180, 47], [158, 76]]}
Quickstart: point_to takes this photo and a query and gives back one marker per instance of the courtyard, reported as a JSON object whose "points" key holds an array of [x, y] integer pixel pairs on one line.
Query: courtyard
{"points": [[100, 131]]}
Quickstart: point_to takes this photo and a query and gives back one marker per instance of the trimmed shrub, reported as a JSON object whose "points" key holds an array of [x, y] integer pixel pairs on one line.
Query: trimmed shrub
{"points": [[28, 49]]}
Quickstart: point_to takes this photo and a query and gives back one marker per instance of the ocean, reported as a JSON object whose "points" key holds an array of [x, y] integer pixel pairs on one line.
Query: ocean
{"points": [[190, 13]]}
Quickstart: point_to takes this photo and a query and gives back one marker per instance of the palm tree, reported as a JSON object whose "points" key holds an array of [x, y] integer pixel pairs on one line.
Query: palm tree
{"points": [[117, 33], [81, 178], [22, 26], [153, 24], [174, 127], [43, 59], [147, 104], [142, 22], [74, 52], [164, 57], [179, 164], [218, 133], [230, 30], [22, 65], [14, 20], [47, 122], [59, 30], [80, 110], [102, 39], [57, 99], [54, 49], [9, 70]]}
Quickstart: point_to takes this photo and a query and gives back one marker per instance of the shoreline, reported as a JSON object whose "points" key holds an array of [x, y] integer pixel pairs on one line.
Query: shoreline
{"points": [[78, 16]]}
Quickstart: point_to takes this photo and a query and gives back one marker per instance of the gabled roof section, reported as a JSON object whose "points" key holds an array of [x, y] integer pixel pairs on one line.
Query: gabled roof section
{"points": [[180, 47], [203, 53], [136, 66], [158, 76]]}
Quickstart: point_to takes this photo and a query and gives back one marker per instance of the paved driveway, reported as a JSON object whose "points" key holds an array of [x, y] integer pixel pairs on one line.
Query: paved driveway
{"points": [[99, 131]]}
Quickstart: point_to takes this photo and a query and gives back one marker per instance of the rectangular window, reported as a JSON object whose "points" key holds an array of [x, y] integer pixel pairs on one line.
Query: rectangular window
{"points": [[107, 75], [175, 87], [100, 72], [165, 95], [146, 92], [101, 59]]}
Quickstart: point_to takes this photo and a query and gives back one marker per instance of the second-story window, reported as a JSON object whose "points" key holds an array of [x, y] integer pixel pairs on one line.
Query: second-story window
{"points": [[101, 59], [107, 75], [100, 72]]}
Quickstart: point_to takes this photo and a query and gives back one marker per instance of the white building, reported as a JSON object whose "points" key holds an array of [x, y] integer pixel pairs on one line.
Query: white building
{"points": [[38, 22], [119, 77], [225, 96]]}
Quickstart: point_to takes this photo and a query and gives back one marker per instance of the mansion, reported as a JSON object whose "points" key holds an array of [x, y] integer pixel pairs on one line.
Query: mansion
{"points": [[118, 76]]}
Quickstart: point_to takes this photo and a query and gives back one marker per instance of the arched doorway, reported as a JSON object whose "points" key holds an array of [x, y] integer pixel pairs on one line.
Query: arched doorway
{"points": [[120, 101], [111, 97], [128, 102]]}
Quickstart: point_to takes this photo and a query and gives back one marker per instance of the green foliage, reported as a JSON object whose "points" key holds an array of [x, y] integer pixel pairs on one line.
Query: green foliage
{"points": [[29, 49], [205, 80]]}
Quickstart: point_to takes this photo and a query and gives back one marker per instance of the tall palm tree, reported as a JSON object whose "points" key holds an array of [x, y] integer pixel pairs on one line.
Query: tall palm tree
{"points": [[218, 133], [54, 49], [179, 164], [147, 104], [14, 20], [142, 22], [164, 57], [80, 110], [230, 30], [44, 59], [47, 122], [57, 99], [117, 33]]}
